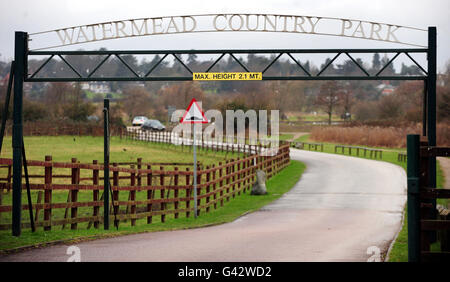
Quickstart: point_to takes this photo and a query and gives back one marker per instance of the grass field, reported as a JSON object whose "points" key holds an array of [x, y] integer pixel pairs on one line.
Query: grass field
{"points": [[297, 116], [284, 137], [87, 148], [399, 252]]}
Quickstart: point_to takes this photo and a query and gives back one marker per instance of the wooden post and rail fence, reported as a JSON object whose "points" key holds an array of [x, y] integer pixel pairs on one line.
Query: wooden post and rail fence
{"points": [[70, 194], [346, 149], [234, 145], [247, 145]]}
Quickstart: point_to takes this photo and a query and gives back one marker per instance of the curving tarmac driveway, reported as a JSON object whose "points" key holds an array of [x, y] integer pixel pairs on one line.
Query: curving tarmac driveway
{"points": [[341, 207]]}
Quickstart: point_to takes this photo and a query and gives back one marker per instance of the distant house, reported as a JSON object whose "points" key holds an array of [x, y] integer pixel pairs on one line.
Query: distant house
{"points": [[385, 88], [96, 87]]}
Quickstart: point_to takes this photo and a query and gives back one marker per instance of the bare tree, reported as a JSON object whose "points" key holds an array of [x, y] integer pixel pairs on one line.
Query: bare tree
{"points": [[181, 94], [347, 102], [136, 101], [329, 97], [56, 95]]}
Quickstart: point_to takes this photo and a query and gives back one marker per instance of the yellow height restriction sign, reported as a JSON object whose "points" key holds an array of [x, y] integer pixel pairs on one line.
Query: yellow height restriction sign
{"points": [[227, 75]]}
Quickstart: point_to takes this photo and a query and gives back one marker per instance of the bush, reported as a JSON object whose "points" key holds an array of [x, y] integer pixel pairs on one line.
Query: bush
{"points": [[78, 112], [376, 136], [365, 111], [389, 107], [34, 111]]}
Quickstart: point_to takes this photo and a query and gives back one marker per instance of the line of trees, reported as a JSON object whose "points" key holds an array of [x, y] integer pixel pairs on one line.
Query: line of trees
{"points": [[361, 99]]}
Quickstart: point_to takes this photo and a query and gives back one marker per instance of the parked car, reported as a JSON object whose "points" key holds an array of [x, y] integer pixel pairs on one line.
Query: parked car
{"points": [[139, 120], [153, 124]]}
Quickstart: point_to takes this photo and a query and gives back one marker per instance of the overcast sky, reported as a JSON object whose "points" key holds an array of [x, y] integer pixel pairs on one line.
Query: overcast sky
{"points": [[41, 15]]}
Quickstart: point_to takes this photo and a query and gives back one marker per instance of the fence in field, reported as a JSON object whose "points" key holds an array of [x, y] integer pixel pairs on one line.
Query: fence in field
{"points": [[304, 145], [401, 157], [373, 153], [71, 193], [225, 144]]}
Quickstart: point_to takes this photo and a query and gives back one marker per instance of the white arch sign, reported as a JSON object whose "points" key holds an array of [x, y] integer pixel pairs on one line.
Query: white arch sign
{"points": [[226, 23]]}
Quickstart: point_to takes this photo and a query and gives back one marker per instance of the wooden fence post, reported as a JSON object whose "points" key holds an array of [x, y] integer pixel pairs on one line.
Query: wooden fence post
{"points": [[249, 173], [227, 173], [175, 193], [188, 194], [133, 197], [95, 181], [74, 194], [272, 165], [199, 189], [239, 175], [258, 162], [208, 178], [254, 168], [244, 174], [139, 167], [150, 194], [221, 183], [48, 195], [162, 204], [233, 170], [115, 199], [214, 187]]}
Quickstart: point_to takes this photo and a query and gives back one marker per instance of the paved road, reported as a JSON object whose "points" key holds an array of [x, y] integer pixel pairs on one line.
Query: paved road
{"points": [[340, 208]]}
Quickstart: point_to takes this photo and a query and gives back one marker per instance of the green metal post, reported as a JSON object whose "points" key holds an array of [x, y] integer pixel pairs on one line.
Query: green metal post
{"points": [[413, 164], [106, 163], [431, 113], [20, 50]]}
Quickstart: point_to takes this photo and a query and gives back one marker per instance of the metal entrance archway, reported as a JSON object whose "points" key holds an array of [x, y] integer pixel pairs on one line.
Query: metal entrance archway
{"points": [[21, 75]]}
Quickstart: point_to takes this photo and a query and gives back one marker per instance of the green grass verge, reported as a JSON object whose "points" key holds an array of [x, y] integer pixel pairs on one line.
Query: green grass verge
{"points": [[319, 117], [304, 138], [399, 252], [284, 137], [88, 148], [276, 186]]}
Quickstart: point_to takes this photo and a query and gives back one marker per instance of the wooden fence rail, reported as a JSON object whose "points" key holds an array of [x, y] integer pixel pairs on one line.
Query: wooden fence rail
{"points": [[373, 153], [303, 145], [225, 144], [402, 157], [71, 193]]}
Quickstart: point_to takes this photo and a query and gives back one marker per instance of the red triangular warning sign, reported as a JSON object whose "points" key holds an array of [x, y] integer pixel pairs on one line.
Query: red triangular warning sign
{"points": [[194, 114]]}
